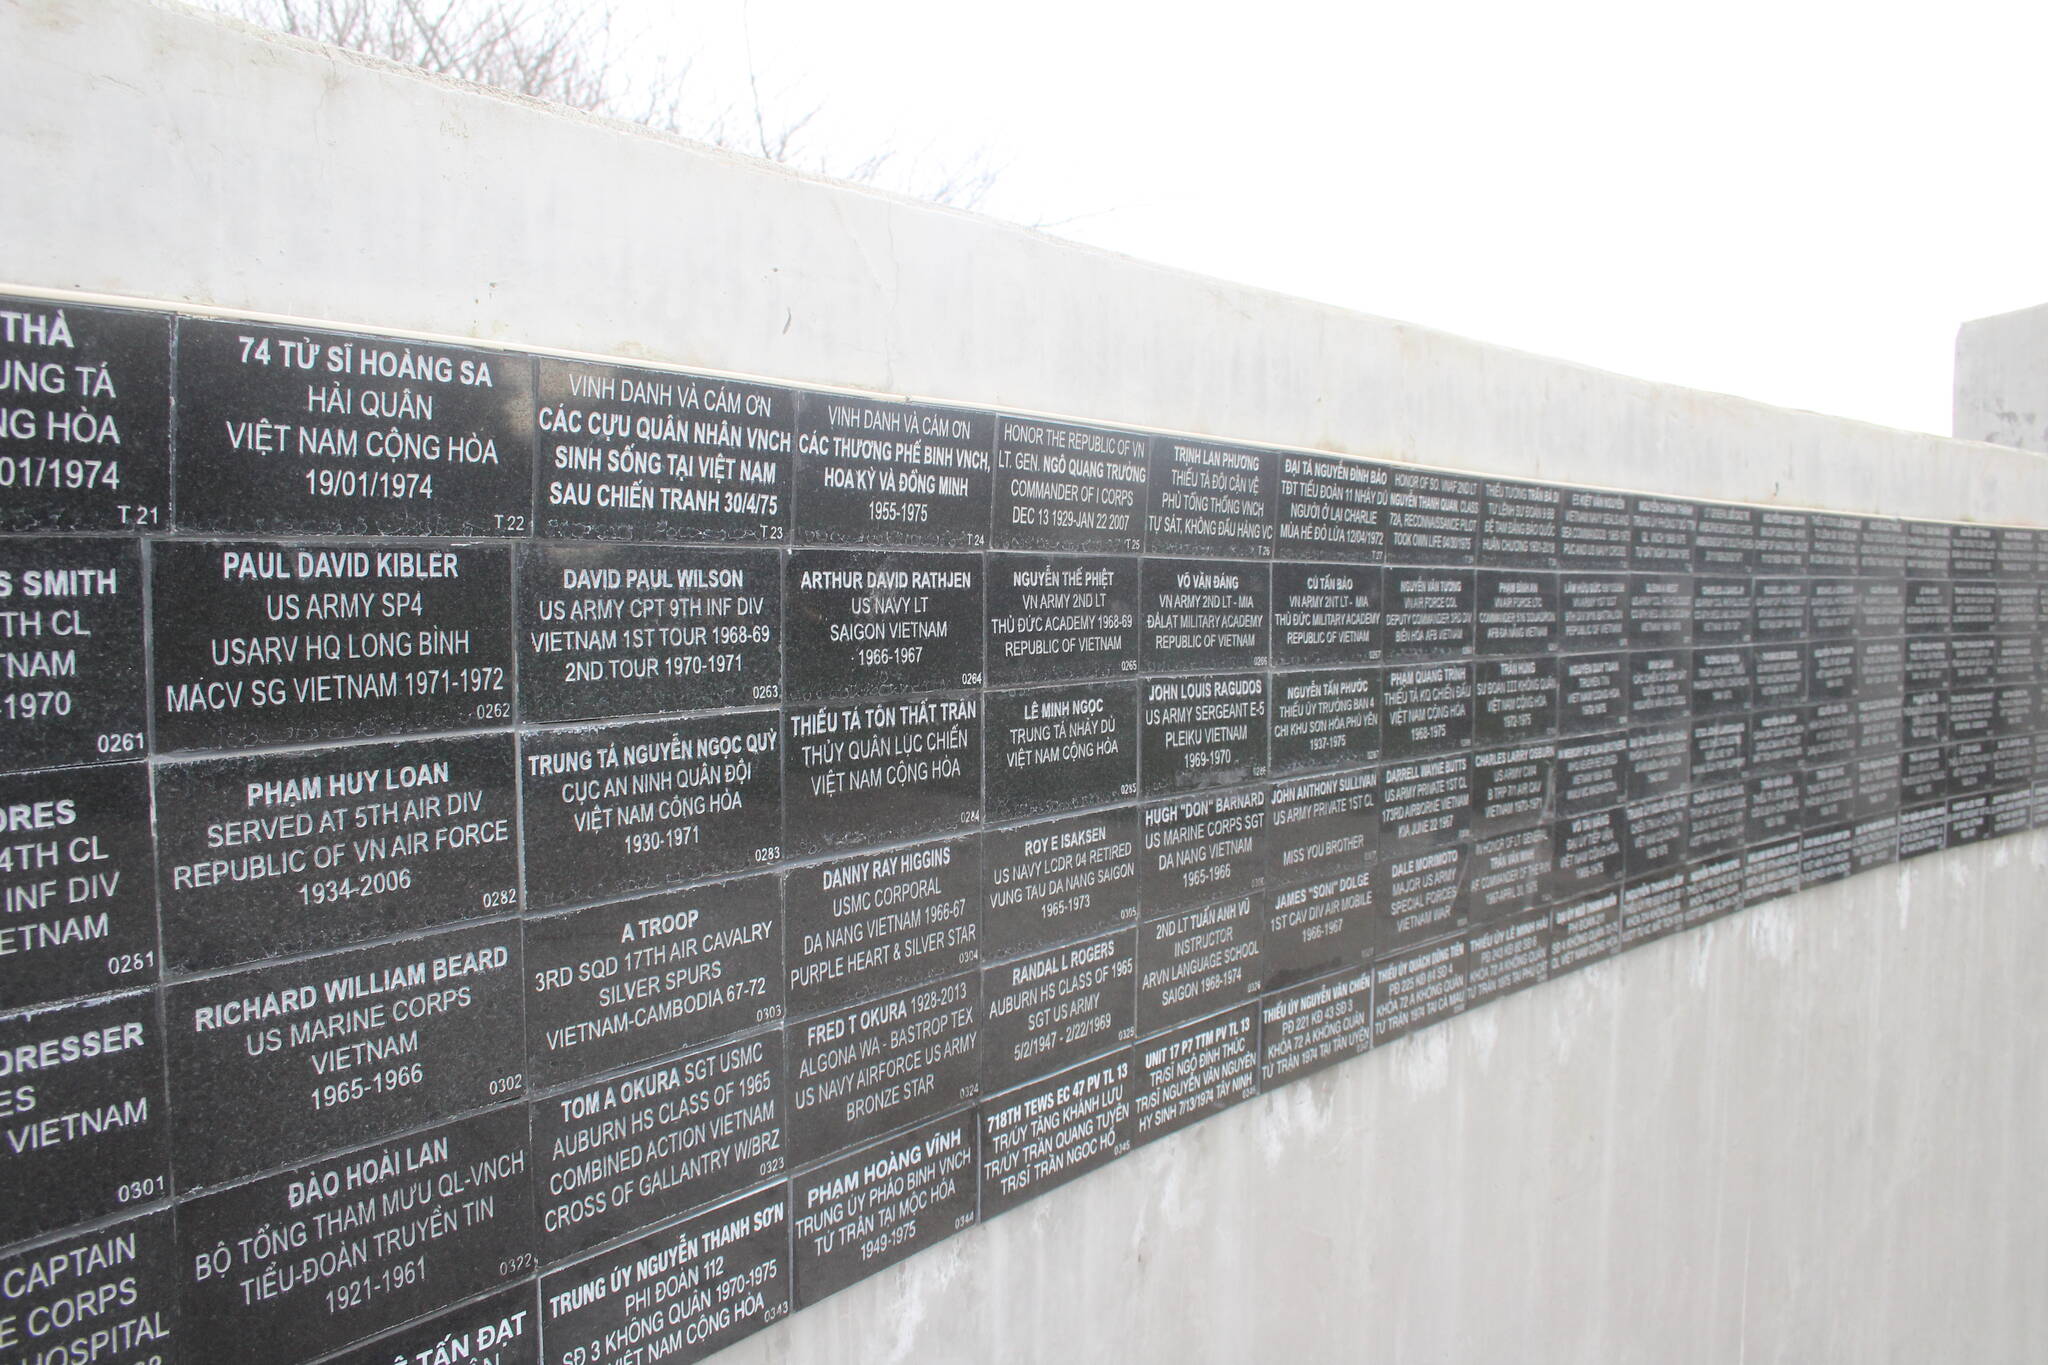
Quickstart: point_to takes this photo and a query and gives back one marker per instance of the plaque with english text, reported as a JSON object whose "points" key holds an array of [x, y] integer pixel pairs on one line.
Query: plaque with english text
{"points": [[109, 1296], [876, 923], [862, 1071], [77, 879], [1053, 1009], [1058, 880], [1061, 618], [866, 623], [1201, 731], [1201, 1068], [1062, 487], [71, 673], [1326, 614]]}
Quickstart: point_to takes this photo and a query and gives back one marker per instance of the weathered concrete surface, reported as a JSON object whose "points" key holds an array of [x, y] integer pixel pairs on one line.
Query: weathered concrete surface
{"points": [[2001, 385], [1810, 1133]]}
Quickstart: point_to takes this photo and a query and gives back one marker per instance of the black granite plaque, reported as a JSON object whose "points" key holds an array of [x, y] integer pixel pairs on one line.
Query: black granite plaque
{"points": [[1196, 1070], [877, 923], [1205, 615], [1058, 880], [1415, 989], [1585, 931], [1194, 962], [1881, 549], [1591, 773], [264, 643], [1053, 749], [1427, 709], [1319, 926], [682, 1292], [1830, 732], [1202, 848], [1880, 723], [616, 1155], [1315, 1025], [1713, 888], [1830, 670], [1923, 775], [869, 623], [1323, 827], [280, 1062], [1517, 613], [1058, 619], [1827, 793], [1652, 908], [84, 430], [1590, 852], [1923, 830], [1593, 693], [1972, 714], [1972, 551], [1326, 614], [614, 809], [1511, 787], [1332, 507], [1723, 611], [1210, 500], [1205, 731], [1832, 547], [2011, 813], [1973, 662], [1662, 532], [1592, 611], [872, 472], [1426, 804], [1969, 820], [1424, 894], [1969, 767], [1880, 669], [1784, 541], [1783, 610], [1973, 607], [875, 1206], [1877, 783], [1052, 1130], [288, 431], [2018, 551], [621, 983], [625, 630], [1659, 760], [1780, 675], [503, 1329], [1880, 606], [107, 1297], [1505, 874], [1720, 750], [1430, 613], [1717, 819], [1771, 871], [1045, 1013], [2012, 762], [1653, 835], [315, 848], [1593, 531], [1060, 487], [1431, 518], [1660, 686], [1504, 957], [1327, 718], [626, 454], [1659, 611], [77, 913], [1826, 855], [70, 652], [923, 752], [877, 1066], [1777, 739], [1725, 539], [313, 1258], [1834, 606], [82, 1112], [1927, 607], [1518, 524]]}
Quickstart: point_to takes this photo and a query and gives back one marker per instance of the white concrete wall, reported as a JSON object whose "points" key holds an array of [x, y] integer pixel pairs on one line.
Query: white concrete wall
{"points": [[2001, 382], [1809, 1133]]}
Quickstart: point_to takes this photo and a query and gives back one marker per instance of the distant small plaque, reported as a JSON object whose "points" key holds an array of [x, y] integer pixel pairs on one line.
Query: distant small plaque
{"points": [[1415, 989], [1196, 961], [82, 1100], [1874, 842], [1923, 775], [70, 651], [1591, 853], [1205, 614], [503, 1329], [924, 753], [291, 1059], [1834, 543], [1326, 614], [626, 630], [1877, 783], [1427, 709], [637, 979], [629, 454], [1770, 871], [1713, 888], [1323, 826], [316, 848], [1720, 750], [1969, 819], [84, 442], [77, 876], [1511, 787], [1202, 848], [1506, 956], [1972, 551], [1518, 524], [1517, 613], [1881, 548], [1777, 739], [873, 1207], [1593, 531], [876, 1066], [1514, 700], [1725, 539], [1880, 606], [1784, 541], [1058, 880], [1831, 670], [1592, 773], [1652, 908], [870, 623], [1332, 507], [1319, 926], [1973, 607], [1507, 873], [2019, 607], [1061, 487], [1662, 532], [310, 1259], [878, 923], [1659, 760], [1044, 1013], [614, 809], [1723, 611], [1208, 730], [1061, 619], [1826, 855], [1880, 669], [1429, 613], [1424, 895], [1780, 675], [1432, 518], [873, 472], [1593, 612], [264, 643], [1426, 803], [1201, 1068], [1923, 830], [1928, 607], [1833, 609], [2018, 551], [1653, 835], [615, 1155], [1317, 1024], [1830, 732], [735, 1257], [1717, 819], [1210, 500], [292, 431], [1584, 931], [1326, 718], [1659, 610], [1660, 686], [108, 1296], [1593, 693], [1053, 749], [1050, 1131]]}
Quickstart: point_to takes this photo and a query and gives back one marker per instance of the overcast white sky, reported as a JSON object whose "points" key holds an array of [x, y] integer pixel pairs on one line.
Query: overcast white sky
{"points": [[1796, 202]]}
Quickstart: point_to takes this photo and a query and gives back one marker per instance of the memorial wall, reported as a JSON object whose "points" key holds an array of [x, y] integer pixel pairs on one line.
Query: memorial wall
{"points": [[517, 857]]}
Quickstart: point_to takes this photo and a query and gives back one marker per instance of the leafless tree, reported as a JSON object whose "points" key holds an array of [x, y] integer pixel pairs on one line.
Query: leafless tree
{"points": [[567, 52]]}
